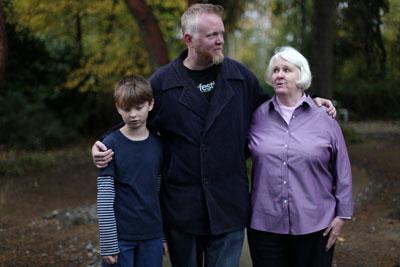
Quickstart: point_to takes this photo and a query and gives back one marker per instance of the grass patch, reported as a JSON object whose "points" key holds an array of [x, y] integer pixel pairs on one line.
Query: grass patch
{"points": [[395, 214], [19, 162], [351, 135]]}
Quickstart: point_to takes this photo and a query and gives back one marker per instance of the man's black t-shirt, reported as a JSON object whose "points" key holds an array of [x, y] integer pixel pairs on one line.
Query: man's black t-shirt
{"points": [[205, 79]]}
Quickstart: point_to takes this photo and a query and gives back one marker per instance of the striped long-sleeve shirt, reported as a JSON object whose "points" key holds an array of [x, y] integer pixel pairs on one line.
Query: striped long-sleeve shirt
{"points": [[106, 214]]}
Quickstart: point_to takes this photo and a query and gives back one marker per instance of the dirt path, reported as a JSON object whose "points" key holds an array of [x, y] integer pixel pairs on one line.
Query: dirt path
{"points": [[49, 218], [372, 238]]}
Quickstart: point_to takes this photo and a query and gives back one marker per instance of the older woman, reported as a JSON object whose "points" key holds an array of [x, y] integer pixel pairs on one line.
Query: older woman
{"points": [[301, 189]]}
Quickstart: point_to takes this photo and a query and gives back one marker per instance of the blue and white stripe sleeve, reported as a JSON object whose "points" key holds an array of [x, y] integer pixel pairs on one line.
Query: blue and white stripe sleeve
{"points": [[106, 216]]}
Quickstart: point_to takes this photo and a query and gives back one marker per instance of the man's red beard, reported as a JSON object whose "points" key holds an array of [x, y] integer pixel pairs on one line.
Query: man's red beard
{"points": [[207, 58]]}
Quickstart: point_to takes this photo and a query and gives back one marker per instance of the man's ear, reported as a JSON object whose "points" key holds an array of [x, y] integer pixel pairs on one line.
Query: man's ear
{"points": [[188, 40]]}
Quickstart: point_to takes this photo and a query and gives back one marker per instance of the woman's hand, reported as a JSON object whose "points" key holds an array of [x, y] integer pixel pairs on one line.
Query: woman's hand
{"points": [[111, 259], [333, 230], [101, 155]]}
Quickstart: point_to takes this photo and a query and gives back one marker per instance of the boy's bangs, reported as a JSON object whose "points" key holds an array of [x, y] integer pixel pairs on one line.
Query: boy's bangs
{"points": [[133, 97]]}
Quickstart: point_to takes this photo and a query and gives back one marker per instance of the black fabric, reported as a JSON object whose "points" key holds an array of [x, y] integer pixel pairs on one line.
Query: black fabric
{"points": [[282, 250], [205, 189], [205, 80]]}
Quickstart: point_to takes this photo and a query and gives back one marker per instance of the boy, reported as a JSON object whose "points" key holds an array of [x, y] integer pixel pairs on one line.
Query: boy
{"points": [[127, 201]]}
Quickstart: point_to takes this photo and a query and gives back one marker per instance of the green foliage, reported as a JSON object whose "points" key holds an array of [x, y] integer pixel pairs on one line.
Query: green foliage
{"points": [[33, 114], [378, 100], [29, 123], [103, 34], [391, 38], [25, 115], [359, 35], [367, 73], [351, 135], [64, 60]]}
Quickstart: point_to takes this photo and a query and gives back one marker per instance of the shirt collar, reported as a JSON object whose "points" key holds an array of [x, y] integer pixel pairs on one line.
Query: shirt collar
{"points": [[307, 101]]}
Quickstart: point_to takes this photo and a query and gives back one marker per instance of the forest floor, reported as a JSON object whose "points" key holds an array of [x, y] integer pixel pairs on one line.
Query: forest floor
{"points": [[48, 218]]}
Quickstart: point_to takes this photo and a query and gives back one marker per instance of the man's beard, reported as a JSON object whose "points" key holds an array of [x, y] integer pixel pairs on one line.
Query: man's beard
{"points": [[207, 58]]}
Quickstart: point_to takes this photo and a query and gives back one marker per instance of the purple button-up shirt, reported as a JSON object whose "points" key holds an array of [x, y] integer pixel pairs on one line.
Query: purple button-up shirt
{"points": [[301, 170]]}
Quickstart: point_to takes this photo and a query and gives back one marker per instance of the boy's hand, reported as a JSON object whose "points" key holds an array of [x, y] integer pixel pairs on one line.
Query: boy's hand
{"points": [[112, 259], [101, 155], [165, 248], [327, 103], [333, 230]]}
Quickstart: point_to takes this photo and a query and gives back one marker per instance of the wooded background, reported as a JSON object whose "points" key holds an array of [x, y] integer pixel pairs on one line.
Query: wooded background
{"points": [[60, 59]]}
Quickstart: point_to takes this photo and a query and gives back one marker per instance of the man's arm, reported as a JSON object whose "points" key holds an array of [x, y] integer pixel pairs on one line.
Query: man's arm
{"points": [[101, 155]]}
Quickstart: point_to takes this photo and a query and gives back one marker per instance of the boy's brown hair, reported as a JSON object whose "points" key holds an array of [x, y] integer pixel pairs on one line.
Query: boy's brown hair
{"points": [[132, 90]]}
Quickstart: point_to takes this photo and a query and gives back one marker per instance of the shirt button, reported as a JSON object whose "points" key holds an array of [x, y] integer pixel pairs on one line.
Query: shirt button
{"points": [[294, 116], [287, 131], [284, 182], [205, 180], [285, 145], [284, 163], [203, 147], [285, 201]]}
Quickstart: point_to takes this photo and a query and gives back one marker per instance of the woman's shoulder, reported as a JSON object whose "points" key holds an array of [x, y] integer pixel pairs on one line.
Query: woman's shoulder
{"points": [[156, 139], [262, 111], [264, 106], [315, 108], [324, 118]]}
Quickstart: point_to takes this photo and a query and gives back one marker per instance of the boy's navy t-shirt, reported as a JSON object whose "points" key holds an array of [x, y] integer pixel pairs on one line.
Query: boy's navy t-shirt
{"points": [[135, 168]]}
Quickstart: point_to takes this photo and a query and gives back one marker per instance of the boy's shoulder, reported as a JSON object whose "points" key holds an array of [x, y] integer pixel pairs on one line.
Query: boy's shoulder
{"points": [[157, 139], [110, 139], [154, 135]]}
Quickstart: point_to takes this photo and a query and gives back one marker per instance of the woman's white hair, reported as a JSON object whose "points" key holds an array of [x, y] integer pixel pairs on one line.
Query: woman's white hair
{"points": [[291, 55]]}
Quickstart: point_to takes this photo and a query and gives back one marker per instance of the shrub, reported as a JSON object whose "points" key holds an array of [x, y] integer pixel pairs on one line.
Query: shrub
{"points": [[370, 100]]}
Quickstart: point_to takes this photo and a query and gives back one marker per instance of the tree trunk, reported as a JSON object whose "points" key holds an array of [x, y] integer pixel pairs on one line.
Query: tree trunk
{"points": [[3, 43], [151, 32], [111, 22], [303, 14], [322, 52], [79, 34], [192, 2]]}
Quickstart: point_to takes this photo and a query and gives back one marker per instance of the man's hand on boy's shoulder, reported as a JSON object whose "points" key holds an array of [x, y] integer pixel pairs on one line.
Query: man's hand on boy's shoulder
{"points": [[101, 155], [112, 259]]}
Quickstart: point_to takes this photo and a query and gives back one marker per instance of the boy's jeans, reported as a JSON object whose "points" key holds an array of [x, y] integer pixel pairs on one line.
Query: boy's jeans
{"points": [[141, 253]]}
